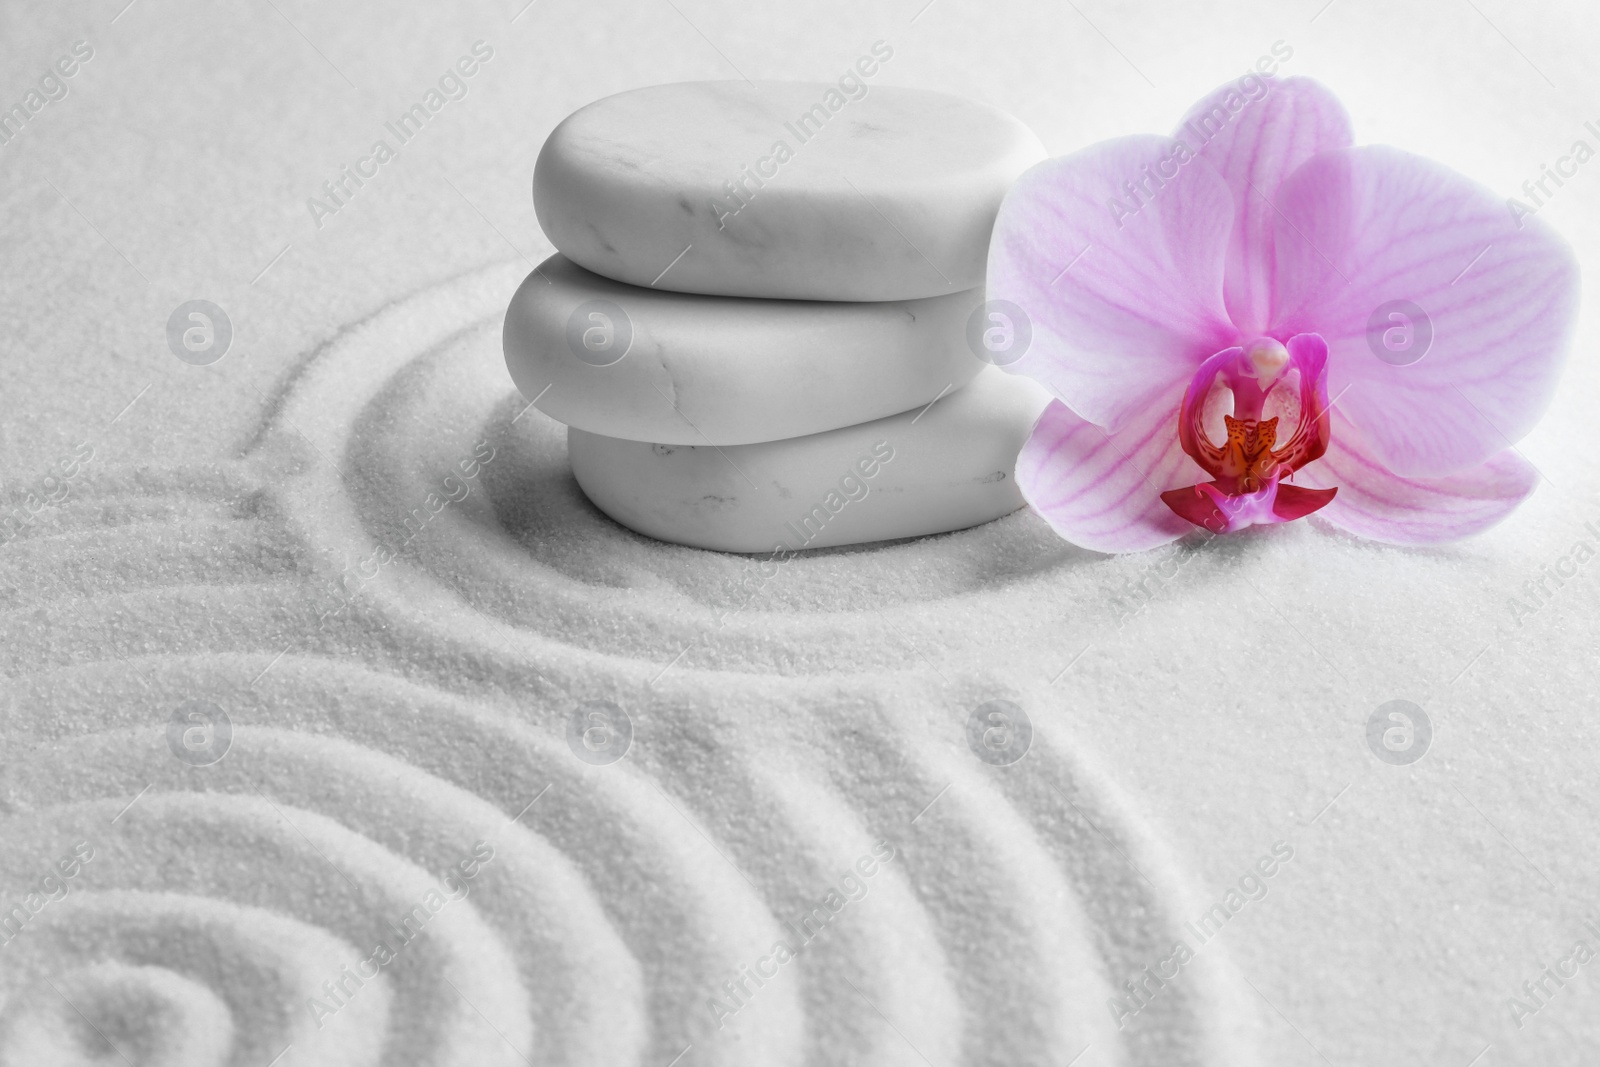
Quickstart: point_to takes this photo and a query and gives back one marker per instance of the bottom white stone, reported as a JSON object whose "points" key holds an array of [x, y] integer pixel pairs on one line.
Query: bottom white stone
{"points": [[926, 471]]}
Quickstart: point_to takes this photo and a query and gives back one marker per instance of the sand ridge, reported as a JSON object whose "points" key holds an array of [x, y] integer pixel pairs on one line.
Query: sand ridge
{"points": [[374, 746]]}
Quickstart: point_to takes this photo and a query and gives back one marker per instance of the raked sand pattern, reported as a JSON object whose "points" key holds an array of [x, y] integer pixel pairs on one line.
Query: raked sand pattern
{"points": [[399, 597]]}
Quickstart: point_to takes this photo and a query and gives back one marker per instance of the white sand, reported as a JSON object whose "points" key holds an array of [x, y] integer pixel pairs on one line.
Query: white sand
{"points": [[782, 727]]}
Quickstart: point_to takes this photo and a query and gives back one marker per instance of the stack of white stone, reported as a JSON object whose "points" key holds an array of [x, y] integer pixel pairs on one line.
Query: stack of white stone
{"points": [[764, 323]]}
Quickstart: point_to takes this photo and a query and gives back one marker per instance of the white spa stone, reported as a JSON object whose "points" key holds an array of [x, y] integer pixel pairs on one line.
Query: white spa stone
{"points": [[915, 473], [677, 369], [884, 196]]}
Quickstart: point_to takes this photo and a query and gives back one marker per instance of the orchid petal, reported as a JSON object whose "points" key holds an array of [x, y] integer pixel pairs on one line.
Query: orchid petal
{"points": [[1363, 228], [1255, 142], [1123, 293], [1207, 505], [1192, 436], [1102, 490], [1308, 352], [1296, 501], [1374, 503]]}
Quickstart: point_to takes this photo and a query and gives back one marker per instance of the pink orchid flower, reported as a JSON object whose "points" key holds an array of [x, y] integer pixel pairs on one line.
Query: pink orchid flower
{"points": [[1255, 321]]}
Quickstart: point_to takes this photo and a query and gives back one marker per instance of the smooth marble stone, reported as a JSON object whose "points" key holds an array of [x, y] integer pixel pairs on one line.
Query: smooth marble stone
{"points": [[697, 370], [919, 472], [891, 196]]}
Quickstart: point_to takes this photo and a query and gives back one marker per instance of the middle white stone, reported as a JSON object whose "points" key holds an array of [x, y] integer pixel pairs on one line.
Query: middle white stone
{"points": [[673, 368]]}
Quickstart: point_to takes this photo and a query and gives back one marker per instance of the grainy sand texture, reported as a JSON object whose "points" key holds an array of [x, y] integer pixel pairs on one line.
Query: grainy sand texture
{"points": [[337, 727]]}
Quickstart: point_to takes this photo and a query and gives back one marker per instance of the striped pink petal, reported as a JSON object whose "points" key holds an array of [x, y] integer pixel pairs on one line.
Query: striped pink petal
{"points": [[1375, 503], [1376, 250], [1255, 132], [1102, 490], [1122, 288]]}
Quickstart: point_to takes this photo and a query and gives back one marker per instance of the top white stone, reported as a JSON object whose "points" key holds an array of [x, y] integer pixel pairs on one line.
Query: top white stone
{"points": [[816, 191]]}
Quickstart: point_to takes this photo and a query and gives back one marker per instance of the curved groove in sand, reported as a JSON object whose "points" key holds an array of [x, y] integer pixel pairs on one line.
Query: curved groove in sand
{"points": [[657, 848], [794, 737]]}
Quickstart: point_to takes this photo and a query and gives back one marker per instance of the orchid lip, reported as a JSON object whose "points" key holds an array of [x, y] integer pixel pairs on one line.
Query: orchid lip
{"points": [[1249, 466]]}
